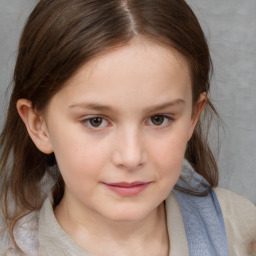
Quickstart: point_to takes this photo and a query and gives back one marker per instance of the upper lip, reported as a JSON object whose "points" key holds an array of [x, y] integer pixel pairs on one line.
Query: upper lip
{"points": [[127, 184]]}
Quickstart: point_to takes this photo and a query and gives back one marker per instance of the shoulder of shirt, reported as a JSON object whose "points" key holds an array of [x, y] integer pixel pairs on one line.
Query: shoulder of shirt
{"points": [[239, 215], [234, 207], [230, 200], [25, 234]]}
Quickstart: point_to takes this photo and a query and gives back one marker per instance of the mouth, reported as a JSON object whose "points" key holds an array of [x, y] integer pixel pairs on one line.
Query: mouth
{"points": [[127, 189]]}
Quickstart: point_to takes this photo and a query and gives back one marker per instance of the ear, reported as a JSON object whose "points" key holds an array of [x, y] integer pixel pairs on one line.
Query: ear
{"points": [[35, 124], [197, 110]]}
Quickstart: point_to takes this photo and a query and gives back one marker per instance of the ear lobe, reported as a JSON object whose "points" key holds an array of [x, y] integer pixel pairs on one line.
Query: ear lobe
{"points": [[198, 108], [35, 124]]}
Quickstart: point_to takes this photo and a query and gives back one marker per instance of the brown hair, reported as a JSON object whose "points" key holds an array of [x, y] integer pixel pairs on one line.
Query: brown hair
{"points": [[59, 37]]}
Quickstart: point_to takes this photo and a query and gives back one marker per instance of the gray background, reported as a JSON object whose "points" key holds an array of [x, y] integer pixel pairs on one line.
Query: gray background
{"points": [[230, 27]]}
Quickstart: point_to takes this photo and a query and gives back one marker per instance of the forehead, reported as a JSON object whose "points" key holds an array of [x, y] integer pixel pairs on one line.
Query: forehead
{"points": [[142, 55], [140, 68]]}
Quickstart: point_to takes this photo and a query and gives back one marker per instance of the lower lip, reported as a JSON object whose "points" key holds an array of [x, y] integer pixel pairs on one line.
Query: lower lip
{"points": [[127, 191]]}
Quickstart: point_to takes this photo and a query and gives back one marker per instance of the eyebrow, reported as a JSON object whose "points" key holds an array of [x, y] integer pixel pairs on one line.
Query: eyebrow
{"points": [[105, 108], [92, 106], [165, 105]]}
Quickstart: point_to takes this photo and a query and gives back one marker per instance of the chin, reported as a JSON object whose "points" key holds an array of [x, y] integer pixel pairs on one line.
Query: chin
{"points": [[130, 214]]}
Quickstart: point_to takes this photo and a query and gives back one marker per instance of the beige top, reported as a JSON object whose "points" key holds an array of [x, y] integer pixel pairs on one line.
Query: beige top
{"points": [[239, 217]]}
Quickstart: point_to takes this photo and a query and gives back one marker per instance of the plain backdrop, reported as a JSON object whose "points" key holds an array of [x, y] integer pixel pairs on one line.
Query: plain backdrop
{"points": [[230, 27]]}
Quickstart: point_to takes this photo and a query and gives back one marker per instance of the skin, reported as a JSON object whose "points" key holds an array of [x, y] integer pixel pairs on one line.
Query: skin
{"points": [[142, 96]]}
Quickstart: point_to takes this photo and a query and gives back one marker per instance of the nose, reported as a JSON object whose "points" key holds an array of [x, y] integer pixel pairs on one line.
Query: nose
{"points": [[129, 152]]}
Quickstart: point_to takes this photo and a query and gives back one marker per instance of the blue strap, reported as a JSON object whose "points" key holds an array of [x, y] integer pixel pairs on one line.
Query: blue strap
{"points": [[202, 216]]}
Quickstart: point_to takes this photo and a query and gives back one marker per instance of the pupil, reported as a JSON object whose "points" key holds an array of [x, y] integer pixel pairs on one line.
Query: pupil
{"points": [[96, 122], [157, 120]]}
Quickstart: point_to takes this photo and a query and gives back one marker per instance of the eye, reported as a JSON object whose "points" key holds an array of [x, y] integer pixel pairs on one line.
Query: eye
{"points": [[95, 122], [160, 120], [157, 120]]}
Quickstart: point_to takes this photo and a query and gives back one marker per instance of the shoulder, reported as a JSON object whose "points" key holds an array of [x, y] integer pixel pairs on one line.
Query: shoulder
{"points": [[234, 199], [5, 241], [235, 206], [7, 248], [240, 220], [25, 235]]}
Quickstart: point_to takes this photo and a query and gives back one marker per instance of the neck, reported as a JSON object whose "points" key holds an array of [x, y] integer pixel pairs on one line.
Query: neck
{"points": [[101, 236]]}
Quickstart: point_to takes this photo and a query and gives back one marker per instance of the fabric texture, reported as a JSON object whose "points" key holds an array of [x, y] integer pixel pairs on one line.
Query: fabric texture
{"points": [[240, 221], [202, 216], [194, 227]]}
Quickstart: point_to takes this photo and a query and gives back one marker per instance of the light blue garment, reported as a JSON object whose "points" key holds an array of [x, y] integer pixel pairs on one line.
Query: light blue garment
{"points": [[202, 216]]}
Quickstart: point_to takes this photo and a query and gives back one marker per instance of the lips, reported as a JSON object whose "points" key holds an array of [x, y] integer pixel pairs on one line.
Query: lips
{"points": [[127, 189]]}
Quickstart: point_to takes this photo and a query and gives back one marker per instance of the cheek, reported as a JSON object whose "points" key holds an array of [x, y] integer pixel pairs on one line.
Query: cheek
{"points": [[79, 158], [167, 158], [170, 149], [83, 159], [168, 155], [81, 169]]}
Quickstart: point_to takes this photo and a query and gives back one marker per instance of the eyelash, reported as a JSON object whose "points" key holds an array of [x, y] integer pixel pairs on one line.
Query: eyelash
{"points": [[166, 122], [87, 121]]}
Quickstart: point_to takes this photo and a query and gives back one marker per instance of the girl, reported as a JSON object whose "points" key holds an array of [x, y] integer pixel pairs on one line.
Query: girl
{"points": [[103, 151]]}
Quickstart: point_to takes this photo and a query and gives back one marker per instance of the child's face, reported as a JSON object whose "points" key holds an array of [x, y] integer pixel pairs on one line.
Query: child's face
{"points": [[119, 130]]}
